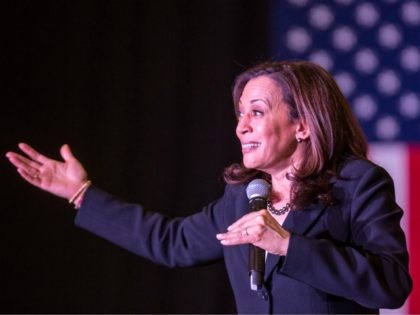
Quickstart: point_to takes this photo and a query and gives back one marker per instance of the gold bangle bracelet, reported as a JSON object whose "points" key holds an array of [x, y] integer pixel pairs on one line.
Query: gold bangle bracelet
{"points": [[81, 190]]}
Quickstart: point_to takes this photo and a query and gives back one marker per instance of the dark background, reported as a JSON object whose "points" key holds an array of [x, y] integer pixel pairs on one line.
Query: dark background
{"points": [[141, 92]]}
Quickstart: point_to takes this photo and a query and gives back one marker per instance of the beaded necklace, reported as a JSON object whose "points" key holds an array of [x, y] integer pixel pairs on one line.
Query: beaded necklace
{"points": [[280, 211]]}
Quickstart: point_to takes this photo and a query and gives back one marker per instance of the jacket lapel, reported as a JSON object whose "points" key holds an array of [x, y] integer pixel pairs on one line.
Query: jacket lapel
{"points": [[299, 222]]}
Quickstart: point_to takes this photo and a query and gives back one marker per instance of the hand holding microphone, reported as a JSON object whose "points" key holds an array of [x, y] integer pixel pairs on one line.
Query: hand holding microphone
{"points": [[258, 228]]}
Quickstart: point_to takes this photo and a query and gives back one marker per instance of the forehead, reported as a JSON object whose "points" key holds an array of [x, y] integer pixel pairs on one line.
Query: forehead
{"points": [[263, 88]]}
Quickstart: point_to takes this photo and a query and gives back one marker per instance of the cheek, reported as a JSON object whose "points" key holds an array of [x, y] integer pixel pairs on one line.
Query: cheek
{"points": [[273, 135], [280, 138]]}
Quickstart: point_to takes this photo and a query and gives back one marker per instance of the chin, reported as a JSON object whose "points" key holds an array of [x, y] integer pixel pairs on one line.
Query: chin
{"points": [[250, 164]]}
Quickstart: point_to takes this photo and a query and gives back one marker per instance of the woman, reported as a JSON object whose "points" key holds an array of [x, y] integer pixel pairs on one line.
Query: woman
{"points": [[331, 229]]}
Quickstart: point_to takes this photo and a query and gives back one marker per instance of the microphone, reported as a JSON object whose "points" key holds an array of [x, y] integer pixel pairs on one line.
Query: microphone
{"points": [[257, 191]]}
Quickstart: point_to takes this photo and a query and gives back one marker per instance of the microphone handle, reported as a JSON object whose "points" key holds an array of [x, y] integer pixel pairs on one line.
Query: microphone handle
{"points": [[257, 203], [256, 267], [256, 254]]}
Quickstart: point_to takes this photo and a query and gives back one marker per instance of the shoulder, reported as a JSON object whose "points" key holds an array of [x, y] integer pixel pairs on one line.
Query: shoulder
{"points": [[354, 168], [235, 197], [358, 174], [235, 191], [353, 164]]}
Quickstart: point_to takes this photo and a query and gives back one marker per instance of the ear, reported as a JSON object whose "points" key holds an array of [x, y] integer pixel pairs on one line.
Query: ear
{"points": [[302, 130]]}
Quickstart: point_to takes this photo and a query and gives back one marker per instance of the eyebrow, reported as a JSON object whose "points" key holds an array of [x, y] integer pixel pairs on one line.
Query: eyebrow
{"points": [[261, 100], [256, 100]]}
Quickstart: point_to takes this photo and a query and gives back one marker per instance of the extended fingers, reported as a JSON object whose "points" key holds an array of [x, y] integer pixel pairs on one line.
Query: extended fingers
{"points": [[234, 237], [22, 162], [32, 178], [242, 235], [251, 228], [32, 153], [246, 220]]}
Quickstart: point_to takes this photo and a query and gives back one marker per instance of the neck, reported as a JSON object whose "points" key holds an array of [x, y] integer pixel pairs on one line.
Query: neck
{"points": [[280, 187]]}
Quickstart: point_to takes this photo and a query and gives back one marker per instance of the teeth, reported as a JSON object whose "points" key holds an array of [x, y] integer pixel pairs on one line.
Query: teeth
{"points": [[250, 145]]}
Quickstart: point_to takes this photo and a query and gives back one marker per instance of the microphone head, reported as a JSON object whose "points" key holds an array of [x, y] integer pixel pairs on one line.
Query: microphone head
{"points": [[258, 188]]}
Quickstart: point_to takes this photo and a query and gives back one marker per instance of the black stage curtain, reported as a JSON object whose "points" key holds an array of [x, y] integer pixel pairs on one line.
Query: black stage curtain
{"points": [[141, 92]]}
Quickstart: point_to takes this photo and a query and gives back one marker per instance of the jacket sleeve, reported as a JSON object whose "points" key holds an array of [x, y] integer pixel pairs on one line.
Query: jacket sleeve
{"points": [[371, 266], [168, 241]]}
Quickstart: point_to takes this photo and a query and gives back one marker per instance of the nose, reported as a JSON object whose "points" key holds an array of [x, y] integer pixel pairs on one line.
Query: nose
{"points": [[243, 126]]}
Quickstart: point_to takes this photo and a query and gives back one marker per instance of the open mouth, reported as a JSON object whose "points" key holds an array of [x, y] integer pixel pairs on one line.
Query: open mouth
{"points": [[250, 146]]}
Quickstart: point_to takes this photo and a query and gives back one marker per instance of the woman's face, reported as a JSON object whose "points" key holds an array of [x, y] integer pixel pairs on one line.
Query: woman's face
{"points": [[267, 136]]}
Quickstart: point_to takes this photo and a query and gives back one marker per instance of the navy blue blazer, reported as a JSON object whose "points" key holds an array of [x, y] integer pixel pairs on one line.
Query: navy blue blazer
{"points": [[349, 257]]}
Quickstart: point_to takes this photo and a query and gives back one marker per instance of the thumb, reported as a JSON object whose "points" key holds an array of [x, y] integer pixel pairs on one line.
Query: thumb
{"points": [[66, 153]]}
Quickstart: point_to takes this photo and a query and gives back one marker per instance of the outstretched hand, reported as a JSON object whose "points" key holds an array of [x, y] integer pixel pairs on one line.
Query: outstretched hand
{"points": [[62, 179]]}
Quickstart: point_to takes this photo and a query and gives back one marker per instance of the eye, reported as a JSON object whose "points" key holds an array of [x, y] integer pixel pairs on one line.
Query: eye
{"points": [[239, 114], [257, 113]]}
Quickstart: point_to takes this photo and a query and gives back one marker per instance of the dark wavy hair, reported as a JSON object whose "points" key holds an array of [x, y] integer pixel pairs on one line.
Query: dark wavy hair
{"points": [[313, 96]]}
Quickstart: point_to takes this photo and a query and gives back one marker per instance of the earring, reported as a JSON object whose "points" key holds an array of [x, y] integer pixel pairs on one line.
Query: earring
{"points": [[299, 140]]}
